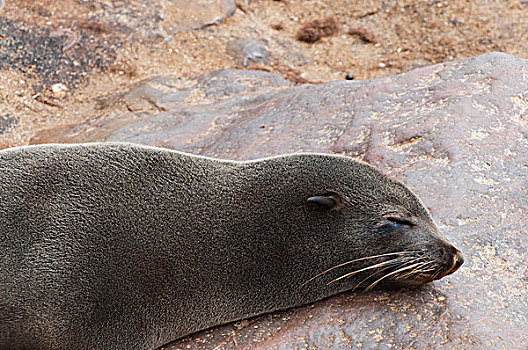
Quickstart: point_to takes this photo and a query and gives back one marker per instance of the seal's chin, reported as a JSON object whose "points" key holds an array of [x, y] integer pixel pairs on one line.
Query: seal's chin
{"points": [[393, 271], [413, 282]]}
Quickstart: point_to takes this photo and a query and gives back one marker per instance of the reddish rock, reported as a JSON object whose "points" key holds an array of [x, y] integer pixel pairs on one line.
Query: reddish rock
{"points": [[456, 133]]}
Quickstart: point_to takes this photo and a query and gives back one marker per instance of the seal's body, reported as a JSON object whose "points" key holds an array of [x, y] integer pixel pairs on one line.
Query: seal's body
{"points": [[121, 246]]}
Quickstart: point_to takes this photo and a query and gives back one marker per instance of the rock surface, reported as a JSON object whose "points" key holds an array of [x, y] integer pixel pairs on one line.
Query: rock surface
{"points": [[456, 133]]}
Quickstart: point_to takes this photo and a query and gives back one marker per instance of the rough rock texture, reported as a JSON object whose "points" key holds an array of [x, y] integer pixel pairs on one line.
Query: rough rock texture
{"points": [[456, 133]]}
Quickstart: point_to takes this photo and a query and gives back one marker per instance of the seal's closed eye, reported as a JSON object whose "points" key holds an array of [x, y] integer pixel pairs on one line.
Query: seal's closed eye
{"points": [[399, 221], [395, 223]]}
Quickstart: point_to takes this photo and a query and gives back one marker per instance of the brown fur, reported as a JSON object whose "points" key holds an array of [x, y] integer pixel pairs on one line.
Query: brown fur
{"points": [[121, 246]]}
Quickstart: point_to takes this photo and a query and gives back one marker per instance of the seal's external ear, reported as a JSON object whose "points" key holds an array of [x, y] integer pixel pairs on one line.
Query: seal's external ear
{"points": [[324, 201]]}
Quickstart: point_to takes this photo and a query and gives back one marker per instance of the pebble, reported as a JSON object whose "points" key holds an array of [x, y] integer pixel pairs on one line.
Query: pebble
{"points": [[246, 50], [59, 90]]}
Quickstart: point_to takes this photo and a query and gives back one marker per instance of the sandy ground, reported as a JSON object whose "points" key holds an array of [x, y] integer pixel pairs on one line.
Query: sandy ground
{"points": [[97, 54]]}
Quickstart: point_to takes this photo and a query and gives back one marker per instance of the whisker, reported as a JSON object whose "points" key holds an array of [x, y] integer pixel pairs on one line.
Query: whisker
{"points": [[352, 261], [422, 270], [352, 273], [387, 267], [390, 274], [437, 273], [418, 269]]}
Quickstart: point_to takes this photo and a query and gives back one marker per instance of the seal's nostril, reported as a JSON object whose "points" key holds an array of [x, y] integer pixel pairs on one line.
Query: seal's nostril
{"points": [[459, 260]]}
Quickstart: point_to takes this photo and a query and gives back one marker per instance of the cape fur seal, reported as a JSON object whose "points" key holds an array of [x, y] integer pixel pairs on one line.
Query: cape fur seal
{"points": [[121, 246]]}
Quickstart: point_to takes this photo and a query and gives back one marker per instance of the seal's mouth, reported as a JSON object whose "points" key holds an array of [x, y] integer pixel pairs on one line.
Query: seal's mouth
{"points": [[420, 270], [390, 270]]}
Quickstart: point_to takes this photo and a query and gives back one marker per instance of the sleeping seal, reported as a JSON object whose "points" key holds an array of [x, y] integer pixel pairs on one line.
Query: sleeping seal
{"points": [[121, 246]]}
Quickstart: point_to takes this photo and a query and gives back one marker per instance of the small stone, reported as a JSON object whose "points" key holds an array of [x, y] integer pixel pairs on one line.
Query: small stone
{"points": [[350, 76], [248, 50], [59, 90]]}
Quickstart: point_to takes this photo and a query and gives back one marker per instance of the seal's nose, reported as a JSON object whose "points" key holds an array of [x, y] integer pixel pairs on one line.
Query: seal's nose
{"points": [[458, 260]]}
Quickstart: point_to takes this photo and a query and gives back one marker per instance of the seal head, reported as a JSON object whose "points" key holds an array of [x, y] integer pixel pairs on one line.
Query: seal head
{"points": [[401, 245], [372, 231]]}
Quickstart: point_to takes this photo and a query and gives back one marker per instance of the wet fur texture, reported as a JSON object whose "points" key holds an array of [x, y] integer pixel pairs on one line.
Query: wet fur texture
{"points": [[121, 246]]}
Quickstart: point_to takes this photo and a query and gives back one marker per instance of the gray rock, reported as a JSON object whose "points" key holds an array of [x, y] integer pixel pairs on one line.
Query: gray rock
{"points": [[456, 133], [245, 50]]}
